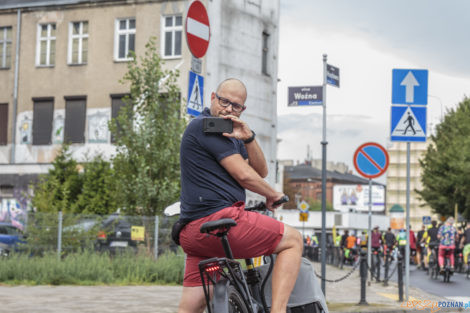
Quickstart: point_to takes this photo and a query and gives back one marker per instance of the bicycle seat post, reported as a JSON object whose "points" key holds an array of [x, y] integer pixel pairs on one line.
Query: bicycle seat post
{"points": [[226, 245]]}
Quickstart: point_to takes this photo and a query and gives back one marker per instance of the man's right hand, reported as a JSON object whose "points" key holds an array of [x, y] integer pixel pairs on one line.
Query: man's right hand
{"points": [[274, 198]]}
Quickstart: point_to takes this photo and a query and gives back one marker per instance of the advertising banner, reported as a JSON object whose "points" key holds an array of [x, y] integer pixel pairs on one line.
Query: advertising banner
{"points": [[355, 198]]}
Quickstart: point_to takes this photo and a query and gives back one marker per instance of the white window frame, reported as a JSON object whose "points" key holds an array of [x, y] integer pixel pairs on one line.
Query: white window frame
{"points": [[4, 41], [48, 39], [173, 29], [80, 36], [126, 32]]}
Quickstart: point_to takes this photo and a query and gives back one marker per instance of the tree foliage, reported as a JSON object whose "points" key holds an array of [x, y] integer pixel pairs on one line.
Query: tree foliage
{"points": [[446, 164], [148, 134], [64, 188], [59, 189]]}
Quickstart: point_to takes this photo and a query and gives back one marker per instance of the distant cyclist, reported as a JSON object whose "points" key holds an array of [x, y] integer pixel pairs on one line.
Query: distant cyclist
{"points": [[430, 238], [465, 243], [446, 236]]}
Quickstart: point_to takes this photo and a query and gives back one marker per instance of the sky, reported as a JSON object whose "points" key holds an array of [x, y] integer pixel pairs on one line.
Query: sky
{"points": [[366, 39]]}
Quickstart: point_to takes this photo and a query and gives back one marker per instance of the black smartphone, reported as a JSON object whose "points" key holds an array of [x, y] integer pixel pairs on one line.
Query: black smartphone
{"points": [[217, 125]]}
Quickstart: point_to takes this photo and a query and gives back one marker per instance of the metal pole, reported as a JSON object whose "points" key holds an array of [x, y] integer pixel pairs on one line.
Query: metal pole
{"points": [[15, 88], [155, 246], [59, 236], [407, 252], [369, 237], [323, 184]]}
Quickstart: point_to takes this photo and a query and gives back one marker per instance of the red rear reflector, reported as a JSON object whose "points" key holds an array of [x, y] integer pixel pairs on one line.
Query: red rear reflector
{"points": [[212, 268]]}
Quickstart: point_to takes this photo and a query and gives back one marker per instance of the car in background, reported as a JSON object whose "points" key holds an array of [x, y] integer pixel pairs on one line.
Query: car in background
{"points": [[10, 237], [115, 234]]}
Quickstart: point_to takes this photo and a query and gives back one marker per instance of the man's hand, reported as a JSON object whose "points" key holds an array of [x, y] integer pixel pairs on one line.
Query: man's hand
{"points": [[241, 130], [269, 201]]}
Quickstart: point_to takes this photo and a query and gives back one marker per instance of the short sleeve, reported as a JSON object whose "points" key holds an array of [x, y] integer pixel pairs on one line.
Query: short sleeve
{"points": [[220, 146]]}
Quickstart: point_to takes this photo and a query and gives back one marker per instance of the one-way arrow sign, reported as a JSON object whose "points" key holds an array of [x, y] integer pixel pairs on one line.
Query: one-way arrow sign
{"points": [[409, 86]]}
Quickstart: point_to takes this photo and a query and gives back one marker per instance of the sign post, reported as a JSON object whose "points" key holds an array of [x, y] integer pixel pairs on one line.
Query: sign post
{"points": [[197, 28], [370, 160], [408, 123]]}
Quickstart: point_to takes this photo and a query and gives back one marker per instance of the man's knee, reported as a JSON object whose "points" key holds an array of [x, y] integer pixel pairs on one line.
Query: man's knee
{"points": [[292, 239]]}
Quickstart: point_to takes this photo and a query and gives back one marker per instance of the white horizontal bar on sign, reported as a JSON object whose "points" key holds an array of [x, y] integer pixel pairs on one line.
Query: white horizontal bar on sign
{"points": [[198, 29]]}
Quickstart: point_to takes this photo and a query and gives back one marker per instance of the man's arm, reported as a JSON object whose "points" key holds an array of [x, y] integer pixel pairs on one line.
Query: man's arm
{"points": [[249, 179], [256, 158]]}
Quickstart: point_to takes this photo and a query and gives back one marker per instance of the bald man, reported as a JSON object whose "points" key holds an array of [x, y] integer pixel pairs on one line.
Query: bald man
{"points": [[215, 171]]}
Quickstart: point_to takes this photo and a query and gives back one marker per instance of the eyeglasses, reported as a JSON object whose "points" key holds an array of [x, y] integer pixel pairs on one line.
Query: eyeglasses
{"points": [[226, 102]]}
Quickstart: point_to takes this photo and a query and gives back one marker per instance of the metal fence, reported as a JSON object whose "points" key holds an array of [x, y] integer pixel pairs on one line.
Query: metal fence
{"points": [[115, 233]]}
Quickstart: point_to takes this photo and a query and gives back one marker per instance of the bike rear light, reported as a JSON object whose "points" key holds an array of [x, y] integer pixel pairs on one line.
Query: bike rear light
{"points": [[213, 268]]}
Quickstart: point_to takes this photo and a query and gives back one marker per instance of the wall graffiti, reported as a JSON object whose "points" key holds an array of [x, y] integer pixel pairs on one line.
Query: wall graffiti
{"points": [[98, 127], [26, 130], [58, 128]]}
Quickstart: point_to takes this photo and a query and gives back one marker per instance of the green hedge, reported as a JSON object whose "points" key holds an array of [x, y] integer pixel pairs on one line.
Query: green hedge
{"points": [[91, 268]]}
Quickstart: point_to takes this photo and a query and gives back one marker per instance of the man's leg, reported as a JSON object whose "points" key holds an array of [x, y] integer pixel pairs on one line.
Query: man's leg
{"points": [[286, 268], [192, 300]]}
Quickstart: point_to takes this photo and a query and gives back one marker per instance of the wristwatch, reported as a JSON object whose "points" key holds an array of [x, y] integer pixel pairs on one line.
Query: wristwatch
{"points": [[251, 138]]}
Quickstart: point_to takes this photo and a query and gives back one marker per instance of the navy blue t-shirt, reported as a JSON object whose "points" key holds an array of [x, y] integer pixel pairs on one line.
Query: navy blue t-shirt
{"points": [[206, 187]]}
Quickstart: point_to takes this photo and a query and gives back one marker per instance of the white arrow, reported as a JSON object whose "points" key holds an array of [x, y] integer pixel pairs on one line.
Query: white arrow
{"points": [[409, 82]]}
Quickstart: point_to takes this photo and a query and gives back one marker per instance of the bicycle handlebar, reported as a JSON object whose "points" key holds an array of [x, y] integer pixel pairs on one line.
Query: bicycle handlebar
{"points": [[262, 205]]}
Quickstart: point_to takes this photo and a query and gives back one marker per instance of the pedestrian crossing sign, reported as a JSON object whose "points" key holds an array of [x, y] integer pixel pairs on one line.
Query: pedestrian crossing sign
{"points": [[408, 123], [195, 102]]}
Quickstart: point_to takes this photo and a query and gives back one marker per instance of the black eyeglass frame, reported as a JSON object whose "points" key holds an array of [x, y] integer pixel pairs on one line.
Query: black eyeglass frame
{"points": [[234, 105]]}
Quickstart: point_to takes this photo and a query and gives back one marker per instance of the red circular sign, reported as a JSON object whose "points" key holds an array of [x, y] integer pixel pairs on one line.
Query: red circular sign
{"points": [[197, 29], [371, 160]]}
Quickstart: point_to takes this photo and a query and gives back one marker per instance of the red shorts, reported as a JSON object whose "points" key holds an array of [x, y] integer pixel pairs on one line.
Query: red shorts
{"points": [[254, 235]]}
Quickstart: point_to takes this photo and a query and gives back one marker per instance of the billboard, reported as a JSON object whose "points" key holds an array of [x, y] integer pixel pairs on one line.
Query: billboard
{"points": [[355, 198]]}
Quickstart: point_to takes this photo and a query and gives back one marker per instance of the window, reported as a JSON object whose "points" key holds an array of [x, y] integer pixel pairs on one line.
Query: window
{"points": [[45, 51], [124, 40], [5, 47], [117, 103], [264, 58], [75, 116], [3, 123], [172, 30], [43, 111], [78, 43]]}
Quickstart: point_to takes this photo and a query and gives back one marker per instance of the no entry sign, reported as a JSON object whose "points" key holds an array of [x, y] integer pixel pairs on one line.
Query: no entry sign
{"points": [[371, 160], [197, 29]]}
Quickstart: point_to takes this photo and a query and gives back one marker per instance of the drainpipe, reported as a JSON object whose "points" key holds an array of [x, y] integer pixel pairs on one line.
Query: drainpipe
{"points": [[15, 88]]}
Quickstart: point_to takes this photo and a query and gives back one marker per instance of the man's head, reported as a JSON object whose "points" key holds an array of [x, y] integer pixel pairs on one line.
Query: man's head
{"points": [[389, 229], [229, 99], [450, 221], [423, 227], [434, 223]]}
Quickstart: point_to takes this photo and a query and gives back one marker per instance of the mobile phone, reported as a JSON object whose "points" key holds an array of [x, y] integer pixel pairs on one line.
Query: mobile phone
{"points": [[217, 125]]}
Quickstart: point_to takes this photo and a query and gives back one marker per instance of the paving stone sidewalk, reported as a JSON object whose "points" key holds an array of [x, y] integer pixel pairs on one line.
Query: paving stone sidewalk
{"points": [[341, 297]]}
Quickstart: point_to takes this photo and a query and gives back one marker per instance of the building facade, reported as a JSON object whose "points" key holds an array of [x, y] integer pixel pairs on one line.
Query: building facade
{"points": [[396, 180], [61, 62]]}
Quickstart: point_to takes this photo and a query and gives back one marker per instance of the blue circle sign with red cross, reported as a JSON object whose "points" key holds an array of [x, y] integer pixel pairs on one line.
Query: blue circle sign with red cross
{"points": [[371, 160]]}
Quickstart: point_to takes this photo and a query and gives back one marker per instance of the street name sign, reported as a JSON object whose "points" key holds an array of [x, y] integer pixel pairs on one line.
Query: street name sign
{"points": [[409, 86], [195, 102], [371, 160], [197, 29], [332, 75], [306, 95], [408, 123]]}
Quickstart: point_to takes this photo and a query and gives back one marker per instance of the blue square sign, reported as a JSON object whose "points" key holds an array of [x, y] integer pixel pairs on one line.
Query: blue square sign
{"points": [[408, 123], [409, 86]]}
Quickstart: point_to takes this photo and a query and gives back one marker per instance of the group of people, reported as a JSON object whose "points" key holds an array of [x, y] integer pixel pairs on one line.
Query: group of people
{"points": [[444, 239]]}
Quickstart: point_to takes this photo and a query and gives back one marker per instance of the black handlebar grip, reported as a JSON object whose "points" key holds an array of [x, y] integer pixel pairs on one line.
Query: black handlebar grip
{"points": [[284, 199]]}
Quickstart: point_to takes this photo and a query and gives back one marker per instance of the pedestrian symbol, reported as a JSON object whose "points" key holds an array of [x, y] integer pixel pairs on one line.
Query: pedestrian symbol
{"points": [[195, 94], [408, 123]]}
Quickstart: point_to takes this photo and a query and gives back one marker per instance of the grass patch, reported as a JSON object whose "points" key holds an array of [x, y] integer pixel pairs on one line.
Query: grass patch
{"points": [[91, 268]]}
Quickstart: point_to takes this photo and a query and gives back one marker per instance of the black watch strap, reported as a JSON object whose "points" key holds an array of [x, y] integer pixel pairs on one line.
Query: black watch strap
{"points": [[251, 138]]}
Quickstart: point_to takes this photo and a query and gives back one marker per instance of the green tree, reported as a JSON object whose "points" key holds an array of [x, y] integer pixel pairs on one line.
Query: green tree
{"points": [[148, 134], [59, 189], [98, 188], [446, 164]]}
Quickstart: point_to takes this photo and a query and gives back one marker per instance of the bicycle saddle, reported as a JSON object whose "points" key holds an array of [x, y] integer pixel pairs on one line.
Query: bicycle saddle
{"points": [[222, 224]]}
